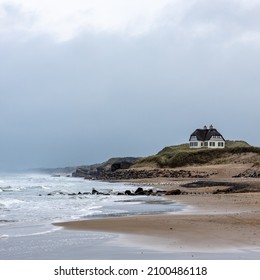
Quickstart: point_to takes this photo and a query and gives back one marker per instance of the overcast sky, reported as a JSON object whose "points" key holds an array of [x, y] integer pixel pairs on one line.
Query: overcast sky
{"points": [[82, 81]]}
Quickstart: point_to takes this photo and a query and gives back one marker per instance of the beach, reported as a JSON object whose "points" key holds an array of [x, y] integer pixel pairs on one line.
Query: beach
{"points": [[211, 224], [44, 217], [31, 203]]}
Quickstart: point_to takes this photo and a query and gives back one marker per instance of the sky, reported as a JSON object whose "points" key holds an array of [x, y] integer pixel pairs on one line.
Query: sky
{"points": [[85, 80]]}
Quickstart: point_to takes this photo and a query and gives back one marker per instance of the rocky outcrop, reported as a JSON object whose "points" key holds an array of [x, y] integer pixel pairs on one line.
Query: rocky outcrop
{"points": [[249, 173], [137, 192], [240, 189], [97, 171], [129, 174], [121, 165], [203, 184], [224, 187]]}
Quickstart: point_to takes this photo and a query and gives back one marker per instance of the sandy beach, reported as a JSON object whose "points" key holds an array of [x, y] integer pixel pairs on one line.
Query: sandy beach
{"points": [[211, 223]]}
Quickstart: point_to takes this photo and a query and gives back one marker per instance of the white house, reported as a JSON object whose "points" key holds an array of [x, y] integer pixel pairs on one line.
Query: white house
{"points": [[207, 138]]}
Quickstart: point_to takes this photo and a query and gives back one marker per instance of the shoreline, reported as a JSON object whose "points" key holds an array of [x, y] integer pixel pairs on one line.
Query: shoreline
{"points": [[219, 222]]}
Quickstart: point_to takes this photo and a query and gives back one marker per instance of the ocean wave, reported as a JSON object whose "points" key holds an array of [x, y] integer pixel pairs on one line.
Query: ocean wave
{"points": [[94, 207], [39, 187], [37, 233], [11, 189], [10, 202], [6, 189]]}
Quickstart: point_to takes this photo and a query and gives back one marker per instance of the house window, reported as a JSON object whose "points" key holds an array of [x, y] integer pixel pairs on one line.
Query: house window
{"points": [[193, 144], [206, 144], [220, 144], [212, 144]]}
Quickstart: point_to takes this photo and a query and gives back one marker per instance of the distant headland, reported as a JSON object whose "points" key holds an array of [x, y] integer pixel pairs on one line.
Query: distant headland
{"points": [[168, 162]]}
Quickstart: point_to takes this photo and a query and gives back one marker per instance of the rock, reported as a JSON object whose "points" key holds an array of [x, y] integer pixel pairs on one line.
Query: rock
{"points": [[94, 191], [150, 191], [249, 173], [139, 190], [159, 192], [121, 165], [127, 192], [173, 192]]}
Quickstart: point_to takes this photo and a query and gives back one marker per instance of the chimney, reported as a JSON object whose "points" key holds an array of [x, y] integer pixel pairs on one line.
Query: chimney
{"points": [[205, 127], [211, 126]]}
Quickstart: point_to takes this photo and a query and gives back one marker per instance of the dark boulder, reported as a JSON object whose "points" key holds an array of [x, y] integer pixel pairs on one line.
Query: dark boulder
{"points": [[94, 191], [150, 191], [139, 190], [127, 192], [173, 192]]}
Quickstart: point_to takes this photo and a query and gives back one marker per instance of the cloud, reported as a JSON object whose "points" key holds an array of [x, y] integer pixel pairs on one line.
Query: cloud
{"points": [[219, 21], [14, 20], [65, 19], [84, 83]]}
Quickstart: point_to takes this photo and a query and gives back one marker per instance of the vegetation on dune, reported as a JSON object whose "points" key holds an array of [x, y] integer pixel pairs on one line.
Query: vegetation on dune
{"points": [[170, 149], [181, 155], [237, 143]]}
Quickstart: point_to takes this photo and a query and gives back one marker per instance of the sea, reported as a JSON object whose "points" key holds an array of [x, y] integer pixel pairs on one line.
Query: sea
{"points": [[31, 203]]}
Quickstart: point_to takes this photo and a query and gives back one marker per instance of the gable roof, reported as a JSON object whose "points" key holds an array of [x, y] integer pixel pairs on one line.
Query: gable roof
{"points": [[205, 134]]}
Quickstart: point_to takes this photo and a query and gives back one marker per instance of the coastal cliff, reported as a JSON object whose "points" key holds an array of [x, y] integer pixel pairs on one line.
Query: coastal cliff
{"points": [[99, 171], [170, 162]]}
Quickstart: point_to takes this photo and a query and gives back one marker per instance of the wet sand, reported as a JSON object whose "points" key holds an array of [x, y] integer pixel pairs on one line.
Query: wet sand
{"points": [[211, 223]]}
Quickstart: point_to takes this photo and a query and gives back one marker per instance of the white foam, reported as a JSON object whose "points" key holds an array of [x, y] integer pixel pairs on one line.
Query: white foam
{"points": [[9, 202], [37, 233], [32, 204], [94, 207]]}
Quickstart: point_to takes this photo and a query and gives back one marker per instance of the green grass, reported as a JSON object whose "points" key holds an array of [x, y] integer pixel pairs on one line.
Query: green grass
{"points": [[237, 143], [181, 155], [171, 149]]}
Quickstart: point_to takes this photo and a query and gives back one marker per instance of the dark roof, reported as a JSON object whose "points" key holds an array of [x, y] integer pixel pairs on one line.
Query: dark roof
{"points": [[205, 134]]}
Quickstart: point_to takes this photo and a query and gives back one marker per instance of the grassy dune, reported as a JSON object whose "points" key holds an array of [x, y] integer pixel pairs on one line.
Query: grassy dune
{"points": [[182, 155]]}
